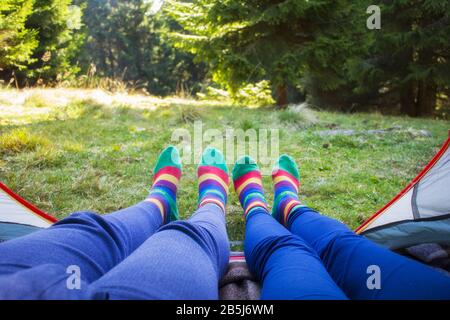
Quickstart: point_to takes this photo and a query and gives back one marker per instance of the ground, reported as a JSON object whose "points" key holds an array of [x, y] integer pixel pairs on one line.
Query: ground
{"points": [[69, 150]]}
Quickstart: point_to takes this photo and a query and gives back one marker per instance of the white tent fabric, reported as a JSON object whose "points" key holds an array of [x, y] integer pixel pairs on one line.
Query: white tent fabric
{"points": [[433, 190], [15, 210], [420, 213], [401, 210]]}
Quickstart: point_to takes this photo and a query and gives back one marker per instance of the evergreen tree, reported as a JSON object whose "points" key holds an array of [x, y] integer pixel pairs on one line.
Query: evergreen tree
{"points": [[248, 41], [57, 23], [17, 42], [126, 41], [409, 59]]}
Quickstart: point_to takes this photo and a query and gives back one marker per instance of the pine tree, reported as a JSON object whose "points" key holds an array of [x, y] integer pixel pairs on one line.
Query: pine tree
{"points": [[17, 42], [57, 23], [125, 40], [248, 41], [410, 56]]}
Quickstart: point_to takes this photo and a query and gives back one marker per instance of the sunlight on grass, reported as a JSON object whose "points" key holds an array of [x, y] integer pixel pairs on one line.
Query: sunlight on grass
{"points": [[36, 100], [300, 115], [20, 140]]}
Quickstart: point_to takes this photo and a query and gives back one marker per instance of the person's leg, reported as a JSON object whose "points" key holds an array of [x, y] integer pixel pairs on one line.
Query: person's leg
{"points": [[284, 263], [96, 243], [351, 259], [185, 259]]}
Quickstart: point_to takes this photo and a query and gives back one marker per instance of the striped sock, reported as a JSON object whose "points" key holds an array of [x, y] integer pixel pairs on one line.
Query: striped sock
{"points": [[248, 185], [213, 179], [167, 174], [285, 177]]}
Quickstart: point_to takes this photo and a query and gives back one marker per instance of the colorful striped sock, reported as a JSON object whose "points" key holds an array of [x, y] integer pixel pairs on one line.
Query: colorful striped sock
{"points": [[213, 179], [167, 174], [248, 185], [285, 177]]}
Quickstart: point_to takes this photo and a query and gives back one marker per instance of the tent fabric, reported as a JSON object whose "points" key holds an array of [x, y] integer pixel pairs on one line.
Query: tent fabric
{"points": [[19, 217], [9, 231], [15, 209], [431, 194], [410, 233], [418, 214]]}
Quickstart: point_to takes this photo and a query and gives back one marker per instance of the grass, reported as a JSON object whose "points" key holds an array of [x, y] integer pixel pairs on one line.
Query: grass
{"points": [[95, 151], [35, 100], [21, 140]]}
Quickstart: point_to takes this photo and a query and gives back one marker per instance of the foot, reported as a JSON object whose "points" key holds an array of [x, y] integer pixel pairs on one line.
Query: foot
{"points": [[285, 177], [213, 179], [248, 185], [167, 174]]}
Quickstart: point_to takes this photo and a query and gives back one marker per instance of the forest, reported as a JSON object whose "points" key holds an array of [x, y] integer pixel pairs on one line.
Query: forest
{"points": [[259, 52]]}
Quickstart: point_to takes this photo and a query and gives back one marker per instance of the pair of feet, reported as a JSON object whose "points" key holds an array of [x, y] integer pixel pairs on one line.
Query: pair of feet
{"points": [[213, 181]]}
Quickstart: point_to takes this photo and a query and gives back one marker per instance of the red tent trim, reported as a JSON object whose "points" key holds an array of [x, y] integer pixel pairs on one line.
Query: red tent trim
{"points": [[28, 205], [430, 165]]}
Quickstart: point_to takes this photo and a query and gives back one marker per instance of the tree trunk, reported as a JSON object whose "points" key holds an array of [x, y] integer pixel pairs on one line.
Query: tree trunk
{"points": [[426, 88], [282, 96], [426, 98], [407, 102]]}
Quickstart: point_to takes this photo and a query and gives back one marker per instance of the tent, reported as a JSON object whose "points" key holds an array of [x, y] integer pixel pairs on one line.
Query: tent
{"points": [[18, 217], [420, 213]]}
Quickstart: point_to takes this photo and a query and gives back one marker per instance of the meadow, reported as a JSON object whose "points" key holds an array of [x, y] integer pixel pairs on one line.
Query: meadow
{"points": [[69, 150]]}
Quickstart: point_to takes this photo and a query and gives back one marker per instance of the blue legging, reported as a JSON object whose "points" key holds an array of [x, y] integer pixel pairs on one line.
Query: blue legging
{"points": [[123, 255], [316, 257]]}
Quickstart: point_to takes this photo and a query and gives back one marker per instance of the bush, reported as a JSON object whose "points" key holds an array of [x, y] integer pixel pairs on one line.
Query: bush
{"points": [[258, 94], [212, 93], [253, 94]]}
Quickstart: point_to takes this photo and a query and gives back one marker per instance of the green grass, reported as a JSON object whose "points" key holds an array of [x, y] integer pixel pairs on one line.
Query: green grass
{"points": [[35, 100], [21, 140], [98, 156]]}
